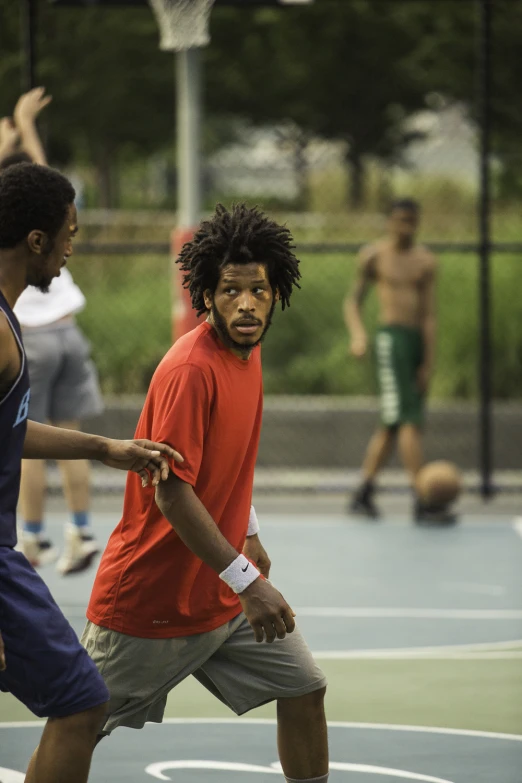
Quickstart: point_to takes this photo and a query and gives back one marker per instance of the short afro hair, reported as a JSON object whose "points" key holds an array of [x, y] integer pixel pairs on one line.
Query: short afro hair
{"points": [[240, 236], [15, 157], [32, 197]]}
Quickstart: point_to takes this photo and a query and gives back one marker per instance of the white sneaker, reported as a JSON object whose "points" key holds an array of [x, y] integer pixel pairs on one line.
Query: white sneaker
{"points": [[38, 551], [79, 551]]}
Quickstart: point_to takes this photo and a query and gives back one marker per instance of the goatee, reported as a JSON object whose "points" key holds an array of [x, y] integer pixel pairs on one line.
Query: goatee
{"points": [[220, 326]]}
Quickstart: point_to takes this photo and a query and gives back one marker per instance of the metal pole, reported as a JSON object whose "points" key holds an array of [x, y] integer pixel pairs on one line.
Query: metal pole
{"points": [[188, 119], [485, 367], [188, 77], [28, 25]]}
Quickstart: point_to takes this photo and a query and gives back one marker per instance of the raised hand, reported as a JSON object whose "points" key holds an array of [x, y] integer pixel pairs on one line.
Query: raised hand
{"points": [[29, 106]]}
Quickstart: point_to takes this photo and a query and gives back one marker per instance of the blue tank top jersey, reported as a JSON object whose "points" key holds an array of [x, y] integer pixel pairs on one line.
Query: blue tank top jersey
{"points": [[13, 424]]}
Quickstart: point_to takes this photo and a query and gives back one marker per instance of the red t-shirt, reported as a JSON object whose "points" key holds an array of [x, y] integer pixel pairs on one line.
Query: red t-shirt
{"points": [[207, 403]]}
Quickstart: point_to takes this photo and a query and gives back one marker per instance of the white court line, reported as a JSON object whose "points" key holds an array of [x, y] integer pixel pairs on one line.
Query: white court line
{"points": [[157, 769], [443, 651], [383, 613], [397, 655], [517, 526], [335, 724], [341, 521]]}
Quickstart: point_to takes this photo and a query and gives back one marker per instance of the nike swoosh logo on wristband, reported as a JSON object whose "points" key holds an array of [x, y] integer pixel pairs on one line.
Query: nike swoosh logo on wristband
{"points": [[245, 568]]}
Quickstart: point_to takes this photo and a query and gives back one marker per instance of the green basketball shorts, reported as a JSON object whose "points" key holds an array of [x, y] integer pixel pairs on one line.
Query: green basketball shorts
{"points": [[399, 354]]}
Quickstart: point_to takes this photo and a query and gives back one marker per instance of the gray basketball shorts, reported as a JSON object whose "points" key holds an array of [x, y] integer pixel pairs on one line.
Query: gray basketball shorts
{"points": [[64, 381], [240, 672]]}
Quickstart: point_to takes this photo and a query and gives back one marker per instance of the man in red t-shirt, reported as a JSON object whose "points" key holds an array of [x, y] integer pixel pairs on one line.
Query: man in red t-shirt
{"points": [[181, 588]]}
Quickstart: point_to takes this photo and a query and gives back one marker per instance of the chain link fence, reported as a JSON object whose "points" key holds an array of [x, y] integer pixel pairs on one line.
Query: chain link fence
{"points": [[332, 190], [321, 404]]}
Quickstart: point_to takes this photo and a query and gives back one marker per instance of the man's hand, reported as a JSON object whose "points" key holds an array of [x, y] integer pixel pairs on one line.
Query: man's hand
{"points": [[29, 106], [423, 378], [359, 345], [267, 611], [142, 457], [9, 134], [255, 551], [2, 655]]}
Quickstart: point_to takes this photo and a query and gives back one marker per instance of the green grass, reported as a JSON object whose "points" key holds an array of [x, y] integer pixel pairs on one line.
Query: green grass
{"points": [[128, 318]]}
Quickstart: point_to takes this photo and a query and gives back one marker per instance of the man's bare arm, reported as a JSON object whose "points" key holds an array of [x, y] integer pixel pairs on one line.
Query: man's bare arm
{"points": [[429, 322], [26, 111], [265, 608], [180, 505], [43, 441], [144, 457], [9, 137], [352, 306]]}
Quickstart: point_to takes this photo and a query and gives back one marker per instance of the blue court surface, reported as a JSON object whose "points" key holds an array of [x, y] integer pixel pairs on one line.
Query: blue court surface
{"points": [[418, 630]]}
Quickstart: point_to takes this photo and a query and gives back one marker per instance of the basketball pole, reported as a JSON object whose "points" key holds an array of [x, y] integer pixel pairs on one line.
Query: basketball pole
{"points": [[188, 73], [485, 365], [188, 122]]}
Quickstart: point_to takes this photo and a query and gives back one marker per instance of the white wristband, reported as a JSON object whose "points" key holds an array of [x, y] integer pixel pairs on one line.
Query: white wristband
{"points": [[253, 524], [239, 574]]}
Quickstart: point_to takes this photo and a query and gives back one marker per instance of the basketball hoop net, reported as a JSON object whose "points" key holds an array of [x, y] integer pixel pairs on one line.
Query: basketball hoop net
{"points": [[183, 24]]}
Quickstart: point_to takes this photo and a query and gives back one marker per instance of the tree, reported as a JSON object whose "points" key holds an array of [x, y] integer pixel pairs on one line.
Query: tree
{"points": [[449, 53], [113, 89], [338, 70]]}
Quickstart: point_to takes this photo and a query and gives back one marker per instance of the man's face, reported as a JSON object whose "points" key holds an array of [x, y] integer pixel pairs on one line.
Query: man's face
{"points": [[403, 224], [49, 258], [241, 307]]}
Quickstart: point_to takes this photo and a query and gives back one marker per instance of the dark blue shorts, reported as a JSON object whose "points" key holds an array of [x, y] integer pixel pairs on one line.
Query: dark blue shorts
{"points": [[47, 668]]}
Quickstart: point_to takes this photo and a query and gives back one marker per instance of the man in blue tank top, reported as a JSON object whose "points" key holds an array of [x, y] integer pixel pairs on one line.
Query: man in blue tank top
{"points": [[41, 660]]}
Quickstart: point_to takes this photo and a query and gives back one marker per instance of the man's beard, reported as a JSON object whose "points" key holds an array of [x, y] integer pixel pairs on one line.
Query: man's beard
{"points": [[42, 283], [221, 328]]}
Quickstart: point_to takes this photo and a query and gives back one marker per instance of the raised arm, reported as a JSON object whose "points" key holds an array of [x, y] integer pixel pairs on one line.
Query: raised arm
{"points": [[9, 137], [352, 306], [428, 321], [265, 608], [29, 106]]}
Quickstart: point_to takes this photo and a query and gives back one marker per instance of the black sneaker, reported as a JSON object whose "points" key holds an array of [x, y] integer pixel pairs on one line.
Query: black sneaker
{"points": [[433, 516], [362, 505]]}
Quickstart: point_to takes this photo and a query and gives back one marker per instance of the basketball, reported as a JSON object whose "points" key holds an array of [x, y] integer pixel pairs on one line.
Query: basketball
{"points": [[439, 483]]}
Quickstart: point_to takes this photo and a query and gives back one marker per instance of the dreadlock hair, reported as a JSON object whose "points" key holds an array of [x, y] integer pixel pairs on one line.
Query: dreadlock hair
{"points": [[240, 236]]}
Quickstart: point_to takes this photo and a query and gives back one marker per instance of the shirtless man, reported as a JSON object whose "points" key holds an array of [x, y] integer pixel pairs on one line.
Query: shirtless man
{"points": [[404, 274]]}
